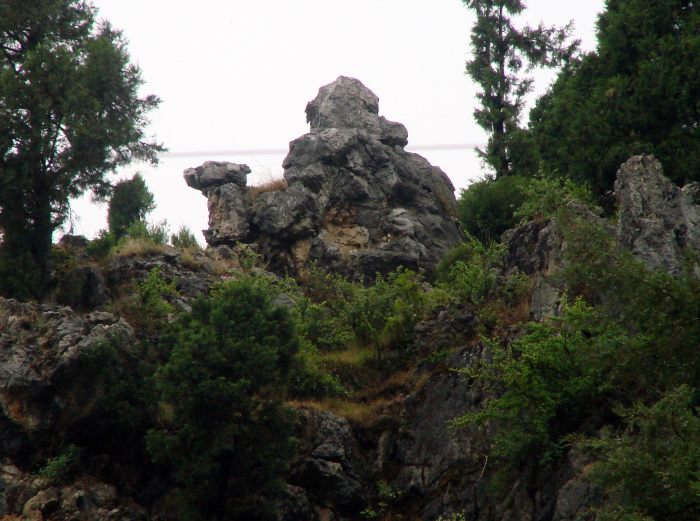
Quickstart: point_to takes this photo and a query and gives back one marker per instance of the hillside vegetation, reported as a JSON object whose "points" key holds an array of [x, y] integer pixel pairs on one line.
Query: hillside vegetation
{"points": [[343, 349]]}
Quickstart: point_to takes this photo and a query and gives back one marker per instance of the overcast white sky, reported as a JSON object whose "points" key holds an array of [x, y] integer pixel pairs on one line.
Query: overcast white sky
{"points": [[236, 75]]}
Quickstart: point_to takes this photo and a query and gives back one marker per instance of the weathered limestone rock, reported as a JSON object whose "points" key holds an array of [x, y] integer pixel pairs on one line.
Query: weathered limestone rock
{"points": [[537, 249], [43, 387], [356, 202], [28, 497], [658, 220], [216, 173], [329, 467]]}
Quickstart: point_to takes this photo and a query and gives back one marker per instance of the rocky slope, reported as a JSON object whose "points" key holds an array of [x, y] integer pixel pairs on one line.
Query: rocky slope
{"points": [[355, 201]]}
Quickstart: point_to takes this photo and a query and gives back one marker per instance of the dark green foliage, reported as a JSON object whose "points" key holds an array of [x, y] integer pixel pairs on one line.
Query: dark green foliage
{"points": [[125, 400], [309, 378], [102, 245], [545, 194], [489, 207], [651, 467], [500, 52], [152, 308], [472, 274], [131, 201], [324, 310], [184, 239], [224, 433], [60, 468], [71, 114], [660, 310], [486, 208], [639, 92], [469, 275]]}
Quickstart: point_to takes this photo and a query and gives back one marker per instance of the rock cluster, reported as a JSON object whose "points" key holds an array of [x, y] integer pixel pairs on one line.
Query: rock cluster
{"points": [[352, 199], [43, 387], [329, 467], [46, 391], [657, 221]]}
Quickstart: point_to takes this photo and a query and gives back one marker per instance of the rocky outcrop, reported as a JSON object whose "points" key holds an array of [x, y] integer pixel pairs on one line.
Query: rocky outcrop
{"points": [[538, 249], [659, 222], [352, 199], [444, 472], [49, 389], [26, 497], [329, 468], [43, 385]]}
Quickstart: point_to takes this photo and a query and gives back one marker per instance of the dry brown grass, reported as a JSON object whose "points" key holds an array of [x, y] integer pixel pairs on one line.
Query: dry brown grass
{"points": [[192, 259], [353, 357], [276, 184], [372, 404], [140, 248], [401, 382], [361, 414]]}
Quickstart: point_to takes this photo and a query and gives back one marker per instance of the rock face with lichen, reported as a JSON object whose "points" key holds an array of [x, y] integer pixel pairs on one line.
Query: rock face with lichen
{"points": [[352, 200], [659, 221]]}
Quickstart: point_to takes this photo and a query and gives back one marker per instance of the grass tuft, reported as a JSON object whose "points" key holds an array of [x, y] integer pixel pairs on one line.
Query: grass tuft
{"points": [[277, 184]]}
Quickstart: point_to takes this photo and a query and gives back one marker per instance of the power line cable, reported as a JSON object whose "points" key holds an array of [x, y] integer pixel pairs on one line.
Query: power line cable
{"points": [[280, 151]]}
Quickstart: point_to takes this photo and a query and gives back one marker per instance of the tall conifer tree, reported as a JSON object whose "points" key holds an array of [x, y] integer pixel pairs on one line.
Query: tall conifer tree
{"points": [[500, 51]]}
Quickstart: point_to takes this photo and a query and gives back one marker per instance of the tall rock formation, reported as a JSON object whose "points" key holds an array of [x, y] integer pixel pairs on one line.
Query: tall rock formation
{"points": [[659, 222], [353, 199]]}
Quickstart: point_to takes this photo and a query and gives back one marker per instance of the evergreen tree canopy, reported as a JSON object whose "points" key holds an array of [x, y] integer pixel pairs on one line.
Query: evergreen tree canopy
{"points": [[226, 436], [639, 92], [500, 52], [131, 201], [70, 113]]}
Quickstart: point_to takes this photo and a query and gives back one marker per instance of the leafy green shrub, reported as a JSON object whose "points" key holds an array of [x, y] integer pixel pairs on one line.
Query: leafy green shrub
{"points": [[462, 252], [470, 273], [322, 326], [101, 245], [224, 433], [59, 469], [131, 201], [551, 378], [486, 208], [650, 468], [153, 293], [154, 232], [544, 194], [184, 239], [634, 341], [308, 377], [385, 313], [659, 309]]}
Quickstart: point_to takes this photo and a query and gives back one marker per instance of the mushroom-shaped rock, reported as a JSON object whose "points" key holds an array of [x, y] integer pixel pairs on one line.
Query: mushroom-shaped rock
{"points": [[216, 173]]}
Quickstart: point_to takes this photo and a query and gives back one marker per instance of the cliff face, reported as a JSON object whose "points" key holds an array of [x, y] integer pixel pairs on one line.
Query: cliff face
{"points": [[355, 201]]}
